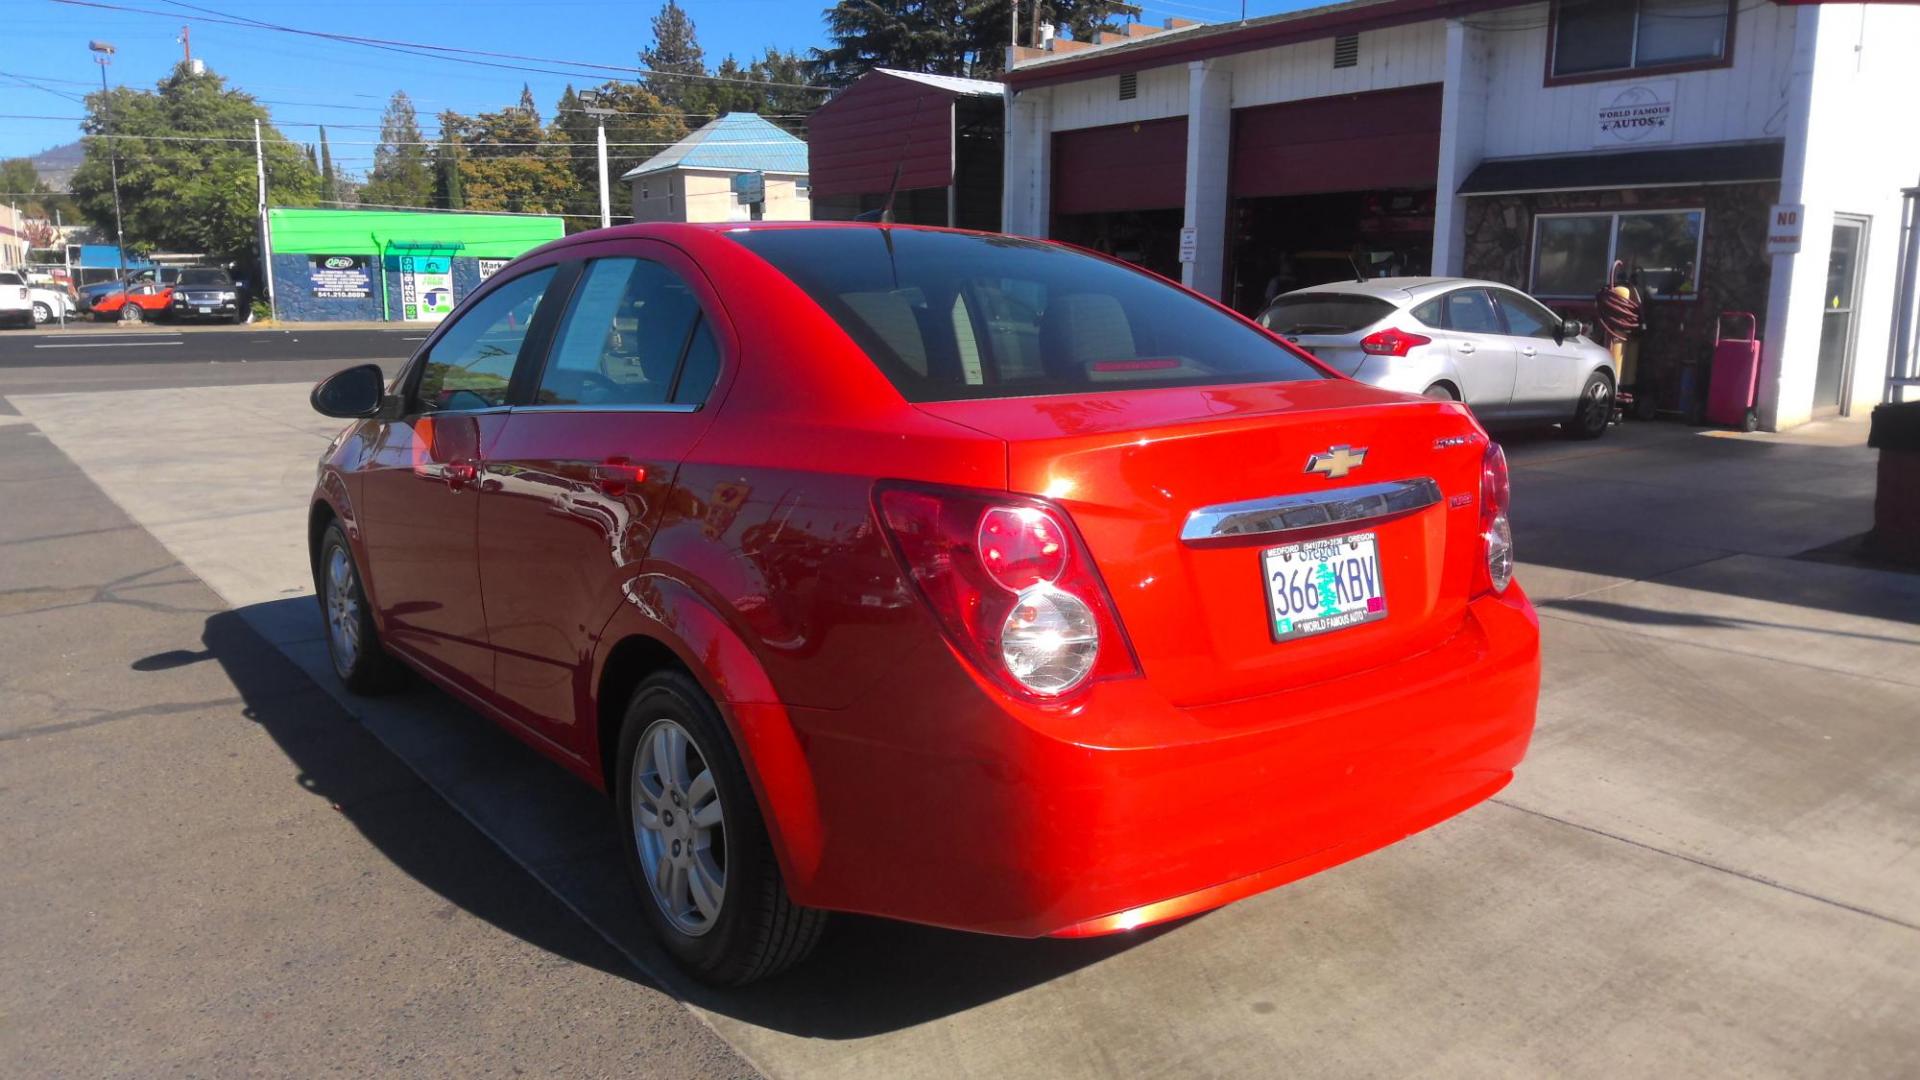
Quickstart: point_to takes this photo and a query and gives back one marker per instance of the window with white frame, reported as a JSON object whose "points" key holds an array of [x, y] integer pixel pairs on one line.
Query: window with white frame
{"points": [[1598, 36], [1572, 253]]}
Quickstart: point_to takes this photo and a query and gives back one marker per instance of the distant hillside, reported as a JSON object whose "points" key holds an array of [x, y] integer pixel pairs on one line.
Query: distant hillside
{"points": [[56, 166]]}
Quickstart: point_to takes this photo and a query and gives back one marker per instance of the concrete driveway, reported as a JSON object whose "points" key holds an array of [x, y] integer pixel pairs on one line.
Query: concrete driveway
{"points": [[1706, 867]]}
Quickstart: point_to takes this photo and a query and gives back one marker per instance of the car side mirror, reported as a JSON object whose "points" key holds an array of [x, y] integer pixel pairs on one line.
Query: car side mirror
{"points": [[355, 393], [1563, 328]]}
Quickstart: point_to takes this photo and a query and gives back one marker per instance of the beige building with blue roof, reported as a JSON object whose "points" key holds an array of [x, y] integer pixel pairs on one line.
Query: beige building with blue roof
{"points": [[700, 177]]}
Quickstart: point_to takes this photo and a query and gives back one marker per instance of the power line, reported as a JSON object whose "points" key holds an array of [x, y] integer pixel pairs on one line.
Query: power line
{"points": [[478, 57]]}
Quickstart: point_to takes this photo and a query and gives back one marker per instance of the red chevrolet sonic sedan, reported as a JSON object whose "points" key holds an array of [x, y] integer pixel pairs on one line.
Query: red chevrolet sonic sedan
{"points": [[957, 578]]}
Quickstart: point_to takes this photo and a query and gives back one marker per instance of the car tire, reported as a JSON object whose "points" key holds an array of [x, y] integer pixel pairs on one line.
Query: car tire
{"points": [[42, 314], [1593, 413], [131, 313], [1440, 392], [677, 760], [353, 643]]}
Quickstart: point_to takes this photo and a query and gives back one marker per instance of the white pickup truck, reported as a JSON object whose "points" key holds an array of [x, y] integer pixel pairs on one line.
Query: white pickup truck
{"points": [[16, 300]]}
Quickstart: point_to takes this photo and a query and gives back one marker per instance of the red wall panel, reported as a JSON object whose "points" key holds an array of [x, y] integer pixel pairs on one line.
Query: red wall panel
{"points": [[1354, 142], [1139, 166], [854, 141]]}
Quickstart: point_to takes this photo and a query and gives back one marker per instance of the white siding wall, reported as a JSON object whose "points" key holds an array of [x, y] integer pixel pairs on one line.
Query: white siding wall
{"points": [[1160, 92], [1742, 102], [1394, 57], [689, 195], [1860, 151]]}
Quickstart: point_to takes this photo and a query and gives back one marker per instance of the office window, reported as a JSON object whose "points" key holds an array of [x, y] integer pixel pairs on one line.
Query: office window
{"points": [[1599, 36], [1572, 253]]}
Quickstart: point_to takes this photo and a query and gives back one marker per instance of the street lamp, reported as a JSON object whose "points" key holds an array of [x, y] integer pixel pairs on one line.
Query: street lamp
{"points": [[103, 55], [593, 105]]}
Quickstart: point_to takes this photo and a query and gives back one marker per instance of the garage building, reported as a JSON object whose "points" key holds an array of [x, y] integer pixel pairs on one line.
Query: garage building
{"points": [[1535, 144]]}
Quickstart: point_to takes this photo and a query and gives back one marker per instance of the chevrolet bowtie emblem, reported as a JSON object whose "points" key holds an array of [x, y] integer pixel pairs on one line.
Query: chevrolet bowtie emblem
{"points": [[1337, 461]]}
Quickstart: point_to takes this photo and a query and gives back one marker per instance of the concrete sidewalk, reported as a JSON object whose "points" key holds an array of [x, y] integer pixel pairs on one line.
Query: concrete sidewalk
{"points": [[1704, 868]]}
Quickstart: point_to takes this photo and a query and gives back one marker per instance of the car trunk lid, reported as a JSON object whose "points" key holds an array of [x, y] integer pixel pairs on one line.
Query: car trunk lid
{"points": [[1130, 467]]}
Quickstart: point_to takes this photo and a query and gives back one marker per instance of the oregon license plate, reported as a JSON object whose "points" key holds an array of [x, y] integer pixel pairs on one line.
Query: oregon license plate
{"points": [[1322, 585]]}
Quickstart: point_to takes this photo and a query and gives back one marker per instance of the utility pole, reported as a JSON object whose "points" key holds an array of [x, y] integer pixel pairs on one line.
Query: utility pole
{"points": [[1013, 33], [592, 105], [186, 43], [266, 233], [1035, 37], [103, 55]]}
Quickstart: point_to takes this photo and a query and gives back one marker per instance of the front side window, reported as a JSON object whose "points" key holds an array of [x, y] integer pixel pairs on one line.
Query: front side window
{"points": [[623, 337], [1525, 317], [472, 363], [1593, 36], [1573, 253], [949, 315]]}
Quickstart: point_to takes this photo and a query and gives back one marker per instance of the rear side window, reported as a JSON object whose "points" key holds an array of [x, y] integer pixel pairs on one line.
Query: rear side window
{"points": [[10, 279], [1470, 312], [949, 315], [1324, 313], [472, 363], [622, 339]]}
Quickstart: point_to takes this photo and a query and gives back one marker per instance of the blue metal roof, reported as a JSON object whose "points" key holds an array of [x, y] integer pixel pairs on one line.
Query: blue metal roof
{"points": [[737, 142]]}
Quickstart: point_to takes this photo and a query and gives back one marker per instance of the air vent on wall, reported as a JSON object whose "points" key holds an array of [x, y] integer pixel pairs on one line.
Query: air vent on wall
{"points": [[1129, 86], [1346, 50]]}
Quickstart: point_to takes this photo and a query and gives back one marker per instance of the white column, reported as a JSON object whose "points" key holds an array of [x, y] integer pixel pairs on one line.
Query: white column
{"points": [[1463, 126], [1026, 199], [1209, 147], [1786, 393]]}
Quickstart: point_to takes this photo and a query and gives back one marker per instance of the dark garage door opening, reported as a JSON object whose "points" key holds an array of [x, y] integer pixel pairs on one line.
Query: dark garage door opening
{"points": [[1122, 189], [1331, 188]]}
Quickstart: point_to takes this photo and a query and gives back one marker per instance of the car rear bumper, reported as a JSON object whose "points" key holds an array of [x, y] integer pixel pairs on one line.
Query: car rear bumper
{"points": [[978, 813]]}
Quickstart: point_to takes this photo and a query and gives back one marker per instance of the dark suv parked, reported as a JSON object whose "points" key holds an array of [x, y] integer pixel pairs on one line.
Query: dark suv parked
{"points": [[205, 292]]}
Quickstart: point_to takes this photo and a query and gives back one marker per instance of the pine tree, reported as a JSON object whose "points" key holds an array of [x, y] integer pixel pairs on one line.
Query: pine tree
{"points": [[449, 190], [674, 55], [402, 174], [946, 37], [329, 179], [527, 103]]}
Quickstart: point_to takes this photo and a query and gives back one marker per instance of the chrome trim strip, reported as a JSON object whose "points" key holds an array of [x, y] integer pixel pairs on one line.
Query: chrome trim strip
{"points": [[663, 407], [1292, 513]]}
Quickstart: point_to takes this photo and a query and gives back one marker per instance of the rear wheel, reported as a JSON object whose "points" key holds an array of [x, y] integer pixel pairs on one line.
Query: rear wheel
{"points": [[352, 641], [131, 313], [1595, 409], [696, 844], [1441, 392]]}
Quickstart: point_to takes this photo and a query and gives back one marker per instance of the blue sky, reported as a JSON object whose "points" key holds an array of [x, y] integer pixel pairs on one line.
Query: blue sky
{"points": [[308, 81]]}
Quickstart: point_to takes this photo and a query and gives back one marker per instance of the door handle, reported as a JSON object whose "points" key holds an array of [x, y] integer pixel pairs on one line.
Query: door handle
{"points": [[1529, 351], [1465, 346], [461, 473], [616, 474]]}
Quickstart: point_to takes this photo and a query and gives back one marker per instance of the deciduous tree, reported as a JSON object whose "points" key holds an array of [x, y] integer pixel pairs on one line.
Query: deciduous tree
{"points": [[185, 153]]}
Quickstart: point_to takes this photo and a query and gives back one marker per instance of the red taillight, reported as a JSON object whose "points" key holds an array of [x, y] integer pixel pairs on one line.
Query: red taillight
{"points": [[1391, 342], [1021, 546], [1496, 534], [1011, 584]]}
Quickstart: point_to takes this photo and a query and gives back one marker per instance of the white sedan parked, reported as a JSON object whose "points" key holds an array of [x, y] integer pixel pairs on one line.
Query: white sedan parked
{"points": [[1495, 348]]}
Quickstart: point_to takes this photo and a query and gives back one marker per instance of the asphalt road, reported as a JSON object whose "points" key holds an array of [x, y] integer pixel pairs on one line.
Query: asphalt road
{"points": [[107, 357]]}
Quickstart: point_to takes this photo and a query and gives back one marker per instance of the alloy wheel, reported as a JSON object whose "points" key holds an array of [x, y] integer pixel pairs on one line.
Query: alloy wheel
{"points": [[679, 827], [343, 609], [1597, 408]]}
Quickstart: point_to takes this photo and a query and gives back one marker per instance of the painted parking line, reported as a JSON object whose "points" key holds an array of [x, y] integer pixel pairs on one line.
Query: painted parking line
{"points": [[111, 345]]}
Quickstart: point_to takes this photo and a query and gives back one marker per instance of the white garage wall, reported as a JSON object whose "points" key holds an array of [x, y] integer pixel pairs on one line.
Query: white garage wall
{"points": [[1394, 57], [1525, 117]]}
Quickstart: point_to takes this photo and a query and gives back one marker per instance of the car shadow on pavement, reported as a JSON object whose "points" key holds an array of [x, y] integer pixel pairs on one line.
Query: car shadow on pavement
{"points": [[340, 762], [513, 824]]}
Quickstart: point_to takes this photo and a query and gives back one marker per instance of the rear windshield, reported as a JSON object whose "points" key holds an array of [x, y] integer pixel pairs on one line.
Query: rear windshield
{"points": [[205, 277], [10, 279], [954, 315], [1324, 313]]}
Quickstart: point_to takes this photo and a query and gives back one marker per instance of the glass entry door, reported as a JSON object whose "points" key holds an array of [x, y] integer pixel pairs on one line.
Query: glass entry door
{"points": [[1837, 331]]}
